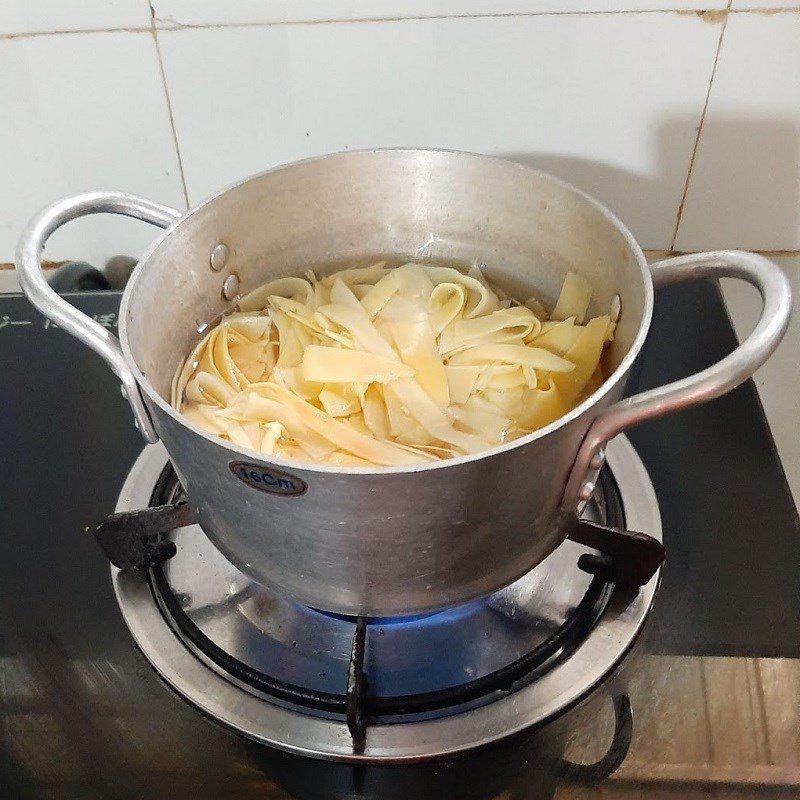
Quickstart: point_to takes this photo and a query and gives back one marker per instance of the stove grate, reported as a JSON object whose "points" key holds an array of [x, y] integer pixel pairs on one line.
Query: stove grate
{"points": [[134, 541]]}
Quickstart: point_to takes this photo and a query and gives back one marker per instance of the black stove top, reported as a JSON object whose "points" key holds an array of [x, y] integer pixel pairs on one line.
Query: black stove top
{"points": [[83, 713]]}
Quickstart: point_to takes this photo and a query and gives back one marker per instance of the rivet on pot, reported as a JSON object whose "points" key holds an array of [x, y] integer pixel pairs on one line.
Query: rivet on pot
{"points": [[219, 256], [597, 459], [231, 286]]}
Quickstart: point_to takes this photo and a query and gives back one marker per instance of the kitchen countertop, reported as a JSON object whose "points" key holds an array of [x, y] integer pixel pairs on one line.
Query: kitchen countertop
{"points": [[715, 694]]}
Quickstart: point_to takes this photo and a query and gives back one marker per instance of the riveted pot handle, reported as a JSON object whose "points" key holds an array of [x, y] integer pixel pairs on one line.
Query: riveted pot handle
{"points": [[718, 379], [32, 280]]}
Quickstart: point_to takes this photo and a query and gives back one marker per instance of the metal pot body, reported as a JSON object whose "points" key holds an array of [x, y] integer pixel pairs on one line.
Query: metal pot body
{"points": [[385, 541], [382, 541]]}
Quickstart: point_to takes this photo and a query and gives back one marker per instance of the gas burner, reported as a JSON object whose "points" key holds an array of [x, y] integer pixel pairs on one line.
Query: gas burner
{"points": [[380, 690]]}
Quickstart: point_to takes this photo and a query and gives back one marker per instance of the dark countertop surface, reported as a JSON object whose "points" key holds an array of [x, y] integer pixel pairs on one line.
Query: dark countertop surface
{"points": [[716, 697]]}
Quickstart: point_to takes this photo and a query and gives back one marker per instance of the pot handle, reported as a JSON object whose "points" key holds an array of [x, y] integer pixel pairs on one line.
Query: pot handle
{"points": [[712, 382], [32, 280]]}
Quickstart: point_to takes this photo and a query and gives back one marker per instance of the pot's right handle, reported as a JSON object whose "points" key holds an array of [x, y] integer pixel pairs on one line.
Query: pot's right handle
{"points": [[718, 379], [39, 292]]}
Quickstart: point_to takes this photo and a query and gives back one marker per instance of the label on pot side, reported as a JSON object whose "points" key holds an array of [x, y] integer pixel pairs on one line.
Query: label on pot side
{"points": [[267, 479]]}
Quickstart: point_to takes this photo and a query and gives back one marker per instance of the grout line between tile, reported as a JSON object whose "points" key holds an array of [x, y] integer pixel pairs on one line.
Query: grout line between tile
{"points": [[176, 25], [170, 24], [652, 253], [154, 31], [682, 202], [167, 24], [70, 32]]}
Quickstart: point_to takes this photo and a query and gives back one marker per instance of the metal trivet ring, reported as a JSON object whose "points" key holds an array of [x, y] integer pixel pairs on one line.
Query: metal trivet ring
{"points": [[560, 682]]}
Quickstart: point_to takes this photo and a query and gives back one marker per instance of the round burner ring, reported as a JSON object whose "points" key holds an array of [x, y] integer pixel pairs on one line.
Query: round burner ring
{"points": [[561, 687]]}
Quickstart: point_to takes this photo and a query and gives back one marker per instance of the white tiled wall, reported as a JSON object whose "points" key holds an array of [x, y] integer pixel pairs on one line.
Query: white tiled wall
{"points": [[609, 94], [443, 83], [769, 5], [745, 187], [34, 16], [83, 111]]}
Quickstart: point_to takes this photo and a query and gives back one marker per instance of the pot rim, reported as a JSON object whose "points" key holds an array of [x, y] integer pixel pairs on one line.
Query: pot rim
{"points": [[291, 464]]}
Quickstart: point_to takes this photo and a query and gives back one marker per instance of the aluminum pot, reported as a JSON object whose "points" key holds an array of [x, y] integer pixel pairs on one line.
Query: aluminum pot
{"points": [[390, 540]]}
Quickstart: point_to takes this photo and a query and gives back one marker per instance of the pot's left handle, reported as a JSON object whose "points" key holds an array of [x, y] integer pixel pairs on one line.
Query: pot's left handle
{"points": [[32, 280]]}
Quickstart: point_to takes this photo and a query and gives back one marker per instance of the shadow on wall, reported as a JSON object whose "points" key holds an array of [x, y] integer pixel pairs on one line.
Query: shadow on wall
{"points": [[637, 199], [745, 187], [744, 191]]}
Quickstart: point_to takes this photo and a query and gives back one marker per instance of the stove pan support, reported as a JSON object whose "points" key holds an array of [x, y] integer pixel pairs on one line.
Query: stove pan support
{"points": [[135, 540], [357, 687], [625, 558]]}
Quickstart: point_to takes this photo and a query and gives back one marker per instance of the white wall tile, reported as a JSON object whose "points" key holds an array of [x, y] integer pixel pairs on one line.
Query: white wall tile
{"points": [[769, 4], [212, 12], [87, 112], [745, 186], [610, 103], [30, 16]]}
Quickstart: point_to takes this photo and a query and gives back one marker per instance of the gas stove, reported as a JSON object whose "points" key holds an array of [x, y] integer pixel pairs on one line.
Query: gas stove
{"points": [[435, 684], [207, 684]]}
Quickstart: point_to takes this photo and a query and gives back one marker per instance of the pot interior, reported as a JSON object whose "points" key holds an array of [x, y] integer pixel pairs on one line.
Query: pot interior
{"points": [[525, 228]]}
